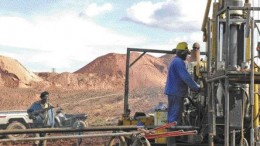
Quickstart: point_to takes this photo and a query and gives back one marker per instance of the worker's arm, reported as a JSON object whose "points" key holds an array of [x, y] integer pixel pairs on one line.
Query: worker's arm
{"points": [[185, 76], [31, 109]]}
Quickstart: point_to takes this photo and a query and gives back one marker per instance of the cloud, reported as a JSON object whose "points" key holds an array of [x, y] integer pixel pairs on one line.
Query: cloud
{"points": [[58, 32], [174, 15], [94, 10], [182, 17], [190, 39], [172, 42], [62, 39]]}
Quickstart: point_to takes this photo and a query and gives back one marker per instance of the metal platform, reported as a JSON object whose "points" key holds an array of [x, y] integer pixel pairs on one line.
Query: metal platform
{"points": [[235, 76], [186, 144]]}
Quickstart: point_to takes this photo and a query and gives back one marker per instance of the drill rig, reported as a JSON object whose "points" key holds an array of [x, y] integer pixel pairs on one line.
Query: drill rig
{"points": [[226, 112], [232, 73]]}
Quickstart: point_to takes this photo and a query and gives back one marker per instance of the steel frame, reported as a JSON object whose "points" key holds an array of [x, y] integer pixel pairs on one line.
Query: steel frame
{"points": [[227, 76], [128, 65]]}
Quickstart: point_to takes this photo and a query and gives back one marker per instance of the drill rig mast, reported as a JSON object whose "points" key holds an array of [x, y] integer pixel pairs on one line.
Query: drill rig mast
{"points": [[233, 77], [226, 112]]}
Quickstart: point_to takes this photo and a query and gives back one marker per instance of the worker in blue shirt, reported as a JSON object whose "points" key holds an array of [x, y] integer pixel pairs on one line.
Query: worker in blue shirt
{"points": [[178, 81], [42, 114]]}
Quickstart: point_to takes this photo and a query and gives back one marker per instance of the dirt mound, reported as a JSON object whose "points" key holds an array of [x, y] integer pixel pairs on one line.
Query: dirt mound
{"points": [[74, 81], [74, 91], [146, 72], [167, 58], [108, 65], [46, 75], [14, 74], [63, 80]]}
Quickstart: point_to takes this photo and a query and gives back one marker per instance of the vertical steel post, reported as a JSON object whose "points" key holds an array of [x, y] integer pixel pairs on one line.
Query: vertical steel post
{"points": [[213, 104], [234, 137], [227, 44], [210, 138], [213, 109], [227, 80], [252, 138], [209, 48], [217, 43], [126, 82], [221, 42], [227, 112]]}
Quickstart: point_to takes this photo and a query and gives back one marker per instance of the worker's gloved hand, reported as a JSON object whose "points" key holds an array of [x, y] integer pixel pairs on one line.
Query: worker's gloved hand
{"points": [[200, 90]]}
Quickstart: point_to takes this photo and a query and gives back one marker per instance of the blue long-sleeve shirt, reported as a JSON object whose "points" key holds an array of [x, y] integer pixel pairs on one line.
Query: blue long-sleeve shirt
{"points": [[178, 79], [40, 120]]}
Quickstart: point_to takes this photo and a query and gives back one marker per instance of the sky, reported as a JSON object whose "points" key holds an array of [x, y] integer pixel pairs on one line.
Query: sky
{"points": [[69, 34]]}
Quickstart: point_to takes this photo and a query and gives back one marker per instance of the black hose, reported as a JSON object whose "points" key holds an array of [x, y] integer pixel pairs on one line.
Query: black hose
{"points": [[192, 102]]}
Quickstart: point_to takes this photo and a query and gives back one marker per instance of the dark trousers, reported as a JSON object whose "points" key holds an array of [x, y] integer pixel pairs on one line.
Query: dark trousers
{"points": [[40, 142], [171, 141], [175, 108]]}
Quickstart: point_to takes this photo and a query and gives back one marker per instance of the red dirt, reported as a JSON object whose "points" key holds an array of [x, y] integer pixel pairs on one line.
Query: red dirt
{"points": [[96, 89], [167, 58], [149, 71], [14, 74]]}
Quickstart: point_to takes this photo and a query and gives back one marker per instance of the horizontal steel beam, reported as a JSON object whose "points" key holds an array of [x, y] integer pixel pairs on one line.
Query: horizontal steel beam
{"points": [[184, 128], [150, 50], [61, 130], [156, 51], [237, 8], [233, 20], [69, 137], [216, 78]]}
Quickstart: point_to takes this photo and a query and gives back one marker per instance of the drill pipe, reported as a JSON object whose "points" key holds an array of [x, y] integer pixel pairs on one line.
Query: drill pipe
{"points": [[61, 130], [100, 128], [68, 137]]}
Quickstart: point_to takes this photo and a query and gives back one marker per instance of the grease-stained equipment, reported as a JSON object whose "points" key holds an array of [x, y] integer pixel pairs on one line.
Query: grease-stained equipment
{"points": [[194, 114], [232, 75]]}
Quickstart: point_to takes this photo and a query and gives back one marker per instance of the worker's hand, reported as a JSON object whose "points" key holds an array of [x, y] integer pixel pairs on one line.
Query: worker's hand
{"points": [[51, 107], [200, 90], [32, 116]]}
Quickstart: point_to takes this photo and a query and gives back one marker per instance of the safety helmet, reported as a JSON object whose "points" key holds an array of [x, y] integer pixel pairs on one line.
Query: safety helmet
{"points": [[183, 46], [44, 94]]}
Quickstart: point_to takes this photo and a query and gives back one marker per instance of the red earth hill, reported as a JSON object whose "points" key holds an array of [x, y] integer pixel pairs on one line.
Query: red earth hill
{"points": [[167, 58], [106, 72], [149, 71], [14, 74]]}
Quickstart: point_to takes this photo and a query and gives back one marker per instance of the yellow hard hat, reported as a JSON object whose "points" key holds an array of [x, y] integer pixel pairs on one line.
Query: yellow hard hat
{"points": [[182, 46]]}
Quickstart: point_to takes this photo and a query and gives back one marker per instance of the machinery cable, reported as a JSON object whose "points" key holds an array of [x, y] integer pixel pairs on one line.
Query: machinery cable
{"points": [[245, 142], [248, 98]]}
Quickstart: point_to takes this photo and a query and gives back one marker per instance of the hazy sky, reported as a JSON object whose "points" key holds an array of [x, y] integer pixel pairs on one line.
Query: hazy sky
{"points": [[68, 34]]}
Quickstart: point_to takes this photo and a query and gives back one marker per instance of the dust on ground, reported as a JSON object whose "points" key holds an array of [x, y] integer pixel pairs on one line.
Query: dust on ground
{"points": [[103, 107], [96, 89]]}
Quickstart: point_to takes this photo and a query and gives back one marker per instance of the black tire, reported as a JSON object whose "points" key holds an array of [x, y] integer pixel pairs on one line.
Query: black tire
{"points": [[137, 142], [79, 124], [15, 125], [120, 141]]}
